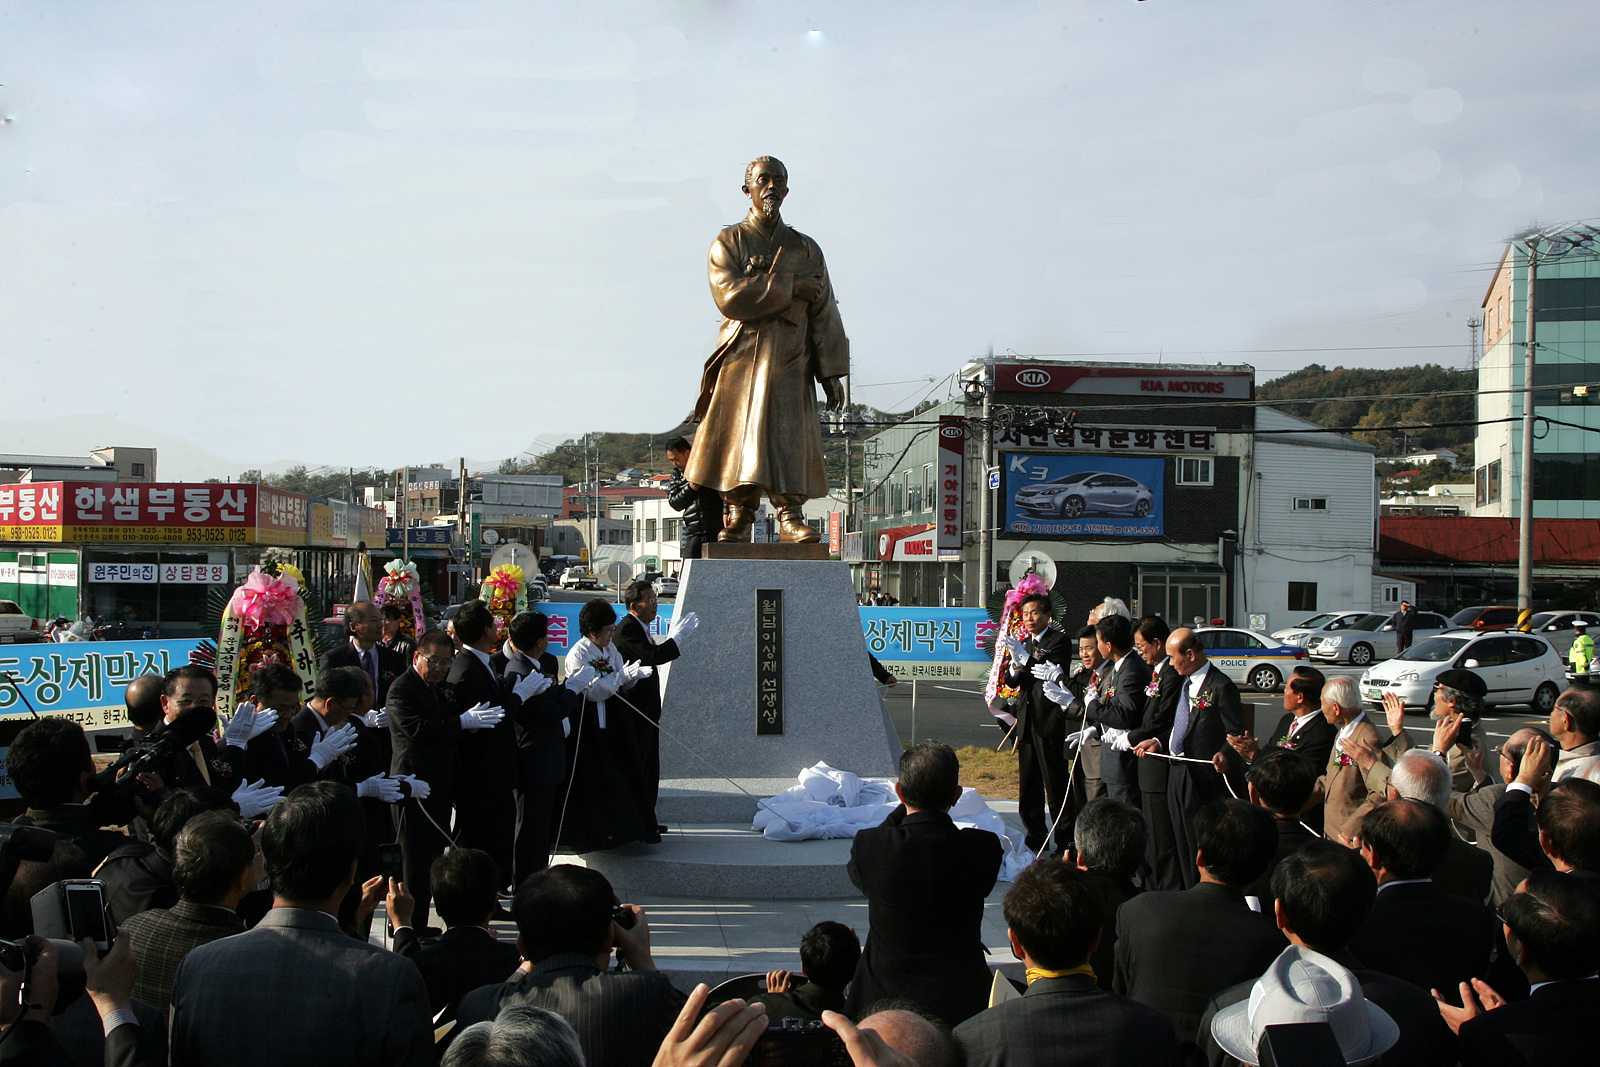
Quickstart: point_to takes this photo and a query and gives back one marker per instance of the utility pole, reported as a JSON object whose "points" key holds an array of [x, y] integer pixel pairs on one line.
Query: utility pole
{"points": [[985, 565], [849, 495], [1525, 497], [402, 511]]}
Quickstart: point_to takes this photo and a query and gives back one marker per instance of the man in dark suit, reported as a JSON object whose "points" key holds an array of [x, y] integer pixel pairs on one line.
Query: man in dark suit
{"points": [[1208, 711], [634, 642], [1053, 917], [1176, 950], [1566, 835], [1403, 622], [925, 881], [486, 762], [215, 867], [1041, 728], [297, 989], [1164, 865], [50, 766], [1473, 810], [1087, 784], [542, 710], [1322, 894], [138, 875], [1466, 870], [1552, 927], [1109, 848], [1302, 728], [700, 505], [566, 933], [426, 735], [467, 955], [190, 691], [1117, 706], [1416, 931], [365, 649], [1281, 781]]}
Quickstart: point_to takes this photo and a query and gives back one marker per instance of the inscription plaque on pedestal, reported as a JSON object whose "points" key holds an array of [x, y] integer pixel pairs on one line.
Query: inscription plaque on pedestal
{"points": [[769, 662]]}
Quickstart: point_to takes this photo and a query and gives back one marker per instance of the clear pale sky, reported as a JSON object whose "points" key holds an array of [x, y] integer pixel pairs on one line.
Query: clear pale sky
{"points": [[378, 233]]}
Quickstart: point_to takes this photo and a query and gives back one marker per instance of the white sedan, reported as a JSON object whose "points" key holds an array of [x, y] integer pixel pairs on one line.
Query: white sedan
{"points": [[1252, 660], [1370, 638], [1306, 629], [1517, 668], [1556, 627]]}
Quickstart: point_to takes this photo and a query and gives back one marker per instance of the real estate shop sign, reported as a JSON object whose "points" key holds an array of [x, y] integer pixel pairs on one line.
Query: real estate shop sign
{"points": [[1082, 496]]}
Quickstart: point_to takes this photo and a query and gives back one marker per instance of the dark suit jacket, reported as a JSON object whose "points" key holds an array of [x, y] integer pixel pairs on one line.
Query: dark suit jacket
{"points": [[1039, 715], [32, 1044], [1314, 741], [368, 758], [536, 722], [1475, 811], [1516, 833], [620, 1018], [808, 1000], [465, 958], [1425, 1040], [279, 758], [1068, 1022], [161, 938], [137, 879], [489, 756], [1124, 708], [1553, 1026], [633, 641], [1175, 950], [425, 733], [1428, 938], [1114, 892], [925, 881], [299, 990], [1159, 708], [391, 665], [1210, 726], [77, 824], [1467, 871], [1292, 837]]}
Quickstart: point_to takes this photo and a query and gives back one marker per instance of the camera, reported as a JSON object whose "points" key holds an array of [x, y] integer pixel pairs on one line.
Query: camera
{"points": [[799, 1043], [389, 861], [623, 917], [71, 910]]}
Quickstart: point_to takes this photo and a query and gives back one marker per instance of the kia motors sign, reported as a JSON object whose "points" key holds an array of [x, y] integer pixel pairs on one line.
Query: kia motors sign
{"points": [[950, 497], [1230, 383]]}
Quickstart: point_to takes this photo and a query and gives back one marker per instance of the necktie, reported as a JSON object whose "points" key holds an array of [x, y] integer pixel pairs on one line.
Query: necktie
{"points": [[369, 660], [200, 761], [1180, 722]]}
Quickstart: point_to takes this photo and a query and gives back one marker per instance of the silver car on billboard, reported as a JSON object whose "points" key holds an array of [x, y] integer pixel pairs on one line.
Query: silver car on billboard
{"points": [[1087, 493]]}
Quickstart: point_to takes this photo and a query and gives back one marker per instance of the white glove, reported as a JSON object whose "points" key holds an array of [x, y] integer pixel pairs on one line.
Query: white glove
{"points": [[566, 728], [683, 626], [636, 671], [531, 686], [1019, 655], [419, 788], [1083, 736], [1059, 694], [579, 679], [377, 718], [256, 798], [481, 717], [1117, 739], [380, 787], [247, 724], [1047, 672], [333, 744]]}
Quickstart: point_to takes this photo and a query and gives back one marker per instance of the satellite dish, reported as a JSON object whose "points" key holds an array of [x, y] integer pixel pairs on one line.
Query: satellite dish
{"points": [[1033, 561], [618, 573], [521, 555]]}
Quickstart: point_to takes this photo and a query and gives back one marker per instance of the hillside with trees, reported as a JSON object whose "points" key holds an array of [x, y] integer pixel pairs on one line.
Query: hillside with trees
{"points": [[1418, 400]]}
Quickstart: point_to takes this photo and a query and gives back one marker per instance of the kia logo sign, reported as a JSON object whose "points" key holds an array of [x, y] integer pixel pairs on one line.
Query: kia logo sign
{"points": [[883, 545], [1033, 378], [951, 431]]}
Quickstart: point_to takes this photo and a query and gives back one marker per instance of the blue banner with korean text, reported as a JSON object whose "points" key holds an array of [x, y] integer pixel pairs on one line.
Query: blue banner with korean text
{"points": [[928, 642], [82, 680]]}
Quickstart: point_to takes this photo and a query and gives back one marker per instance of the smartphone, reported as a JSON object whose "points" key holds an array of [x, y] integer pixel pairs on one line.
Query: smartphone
{"points": [[73, 910], [389, 861]]}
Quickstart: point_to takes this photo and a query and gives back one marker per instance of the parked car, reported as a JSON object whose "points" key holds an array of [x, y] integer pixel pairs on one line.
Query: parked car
{"points": [[1322, 623], [17, 625], [1251, 659], [537, 590], [579, 578], [1492, 617], [666, 587], [1556, 627], [1370, 638], [1517, 668], [1087, 492]]}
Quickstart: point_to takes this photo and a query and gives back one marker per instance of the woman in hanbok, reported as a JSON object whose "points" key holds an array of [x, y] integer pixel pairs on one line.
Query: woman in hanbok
{"points": [[600, 809]]}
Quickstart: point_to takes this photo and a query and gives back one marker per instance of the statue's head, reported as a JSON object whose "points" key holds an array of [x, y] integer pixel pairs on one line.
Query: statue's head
{"points": [[766, 183]]}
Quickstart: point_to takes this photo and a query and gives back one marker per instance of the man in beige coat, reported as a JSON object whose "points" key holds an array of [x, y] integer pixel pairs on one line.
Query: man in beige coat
{"points": [[1345, 791]]}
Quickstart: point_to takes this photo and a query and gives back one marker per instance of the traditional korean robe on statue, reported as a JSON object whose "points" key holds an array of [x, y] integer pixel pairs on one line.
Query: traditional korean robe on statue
{"points": [[758, 406]]}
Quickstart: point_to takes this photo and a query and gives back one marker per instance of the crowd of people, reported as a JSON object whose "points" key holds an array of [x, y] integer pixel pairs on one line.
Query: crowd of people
{"points": [[1197, 888]]}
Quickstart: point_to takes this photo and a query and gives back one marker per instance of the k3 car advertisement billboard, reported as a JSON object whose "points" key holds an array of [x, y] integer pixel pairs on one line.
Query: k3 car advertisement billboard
{"points": [[1082, 496]]}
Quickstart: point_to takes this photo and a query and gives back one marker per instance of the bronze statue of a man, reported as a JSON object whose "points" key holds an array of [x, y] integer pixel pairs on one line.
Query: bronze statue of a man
{"points": [[780, 334]]}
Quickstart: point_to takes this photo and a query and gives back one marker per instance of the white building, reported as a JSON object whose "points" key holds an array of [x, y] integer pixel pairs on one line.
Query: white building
{"points": [[1311, 523]]}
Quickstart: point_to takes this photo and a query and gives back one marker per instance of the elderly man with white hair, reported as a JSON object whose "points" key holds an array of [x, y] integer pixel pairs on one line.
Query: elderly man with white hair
{"points": [[1345, 790], [1466, 871]]}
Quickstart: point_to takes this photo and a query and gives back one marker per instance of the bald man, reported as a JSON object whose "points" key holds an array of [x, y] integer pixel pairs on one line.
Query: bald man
{"points": [[143, 701], [1474, 808], [925, 1040]]}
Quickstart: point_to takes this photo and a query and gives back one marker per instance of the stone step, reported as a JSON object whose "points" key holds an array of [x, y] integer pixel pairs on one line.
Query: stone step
{"points": [[725, 862], [715, 800]]}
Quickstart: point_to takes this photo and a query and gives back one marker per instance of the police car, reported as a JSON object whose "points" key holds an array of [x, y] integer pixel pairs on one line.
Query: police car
{"points": [[1253, 660]]}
